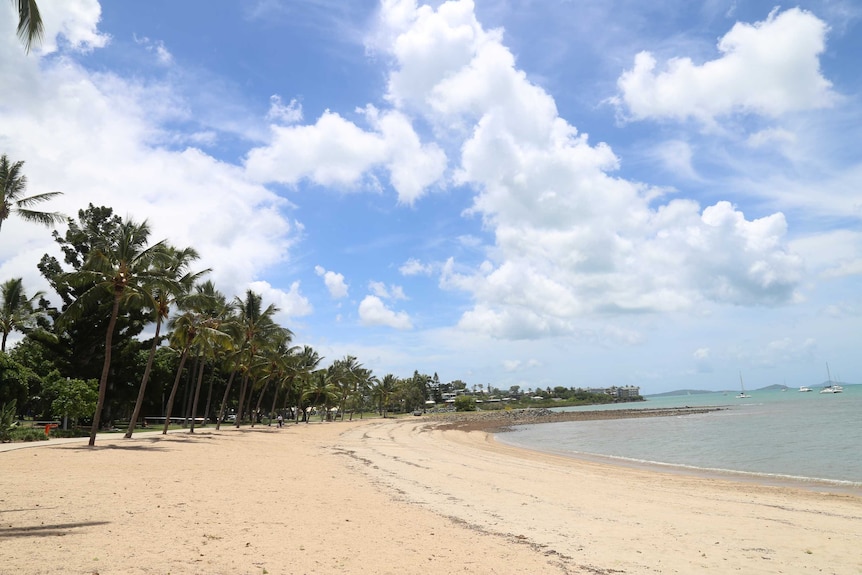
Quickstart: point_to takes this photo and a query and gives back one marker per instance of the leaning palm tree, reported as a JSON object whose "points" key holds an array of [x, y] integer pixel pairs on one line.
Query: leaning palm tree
{"points": [[384, 390], [17, 311], [305, 363], [13, 184], [322, 392], [175, 283], [195, 329], [29, 23], [345, 375], [255, 325], [123, 268]]}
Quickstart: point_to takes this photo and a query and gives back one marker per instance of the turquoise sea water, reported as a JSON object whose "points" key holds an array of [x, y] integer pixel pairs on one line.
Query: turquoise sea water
{"points": [[773, 435]]}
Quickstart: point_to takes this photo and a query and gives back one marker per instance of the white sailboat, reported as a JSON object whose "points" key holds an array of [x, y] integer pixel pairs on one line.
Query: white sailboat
{"points": [[831, 387], [741, 394]]}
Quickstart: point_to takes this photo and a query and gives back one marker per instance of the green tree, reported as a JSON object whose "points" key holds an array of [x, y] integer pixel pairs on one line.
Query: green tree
{"points": [[77, 346], [8, 420], [73, 398], [122, 265], [17, 311], [322, 393], [302, 365], [29, 23], [465, 403], [254, 326], [176, 281], [13, 185], [198, 328], [15, 381], [383, 392]]}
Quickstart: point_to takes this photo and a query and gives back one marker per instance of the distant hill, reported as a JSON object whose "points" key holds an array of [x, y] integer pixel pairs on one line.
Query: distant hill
{"points": [[681, 392], [774, 387]]}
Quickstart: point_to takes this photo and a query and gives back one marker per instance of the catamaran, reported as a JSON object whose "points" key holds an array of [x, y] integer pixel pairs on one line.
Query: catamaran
{"points": [[831, 387], [741, 394]]}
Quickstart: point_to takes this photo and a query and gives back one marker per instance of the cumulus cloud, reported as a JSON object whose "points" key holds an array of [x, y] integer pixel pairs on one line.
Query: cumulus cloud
{"points": [[414, 267], [336, 152], [289, 114], [382, 291], [334, 282], [290, 303], [569, 238], [373, 312], [767, 68], [57, 105]]}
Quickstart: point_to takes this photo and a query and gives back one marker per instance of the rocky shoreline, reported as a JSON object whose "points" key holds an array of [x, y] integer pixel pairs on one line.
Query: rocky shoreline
{"points": [[502, 420]]}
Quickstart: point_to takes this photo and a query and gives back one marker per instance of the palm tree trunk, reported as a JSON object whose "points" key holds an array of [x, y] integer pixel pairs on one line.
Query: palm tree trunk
{"points": [[189, 390], [197, 395], [140, 401], [272, 408], [241, 399], [209, 397], [224, 400], [103, 381], [251, 384], [259, 401], [174, 390]]}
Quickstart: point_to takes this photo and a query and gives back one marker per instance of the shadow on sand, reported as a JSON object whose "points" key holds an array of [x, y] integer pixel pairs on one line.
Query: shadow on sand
{"points": [[46, 530]]}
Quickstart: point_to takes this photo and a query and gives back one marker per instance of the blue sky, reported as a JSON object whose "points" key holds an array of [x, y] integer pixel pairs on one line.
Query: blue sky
{"points": [[511, 192]]}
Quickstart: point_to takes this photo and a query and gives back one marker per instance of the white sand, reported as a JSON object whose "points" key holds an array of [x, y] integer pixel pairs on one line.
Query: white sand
{"points": [[394, 496]]}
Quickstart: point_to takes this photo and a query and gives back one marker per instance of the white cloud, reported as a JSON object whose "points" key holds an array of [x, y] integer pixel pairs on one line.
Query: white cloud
{"points": [[290, 303], [156, 47], [75, 21], [336, 152], [372, 311], [69, 124], [570, 239], [414, 267], [335, 283], [771, 136], [289, 114], [768, 68], [676, 157], [380, 290]]}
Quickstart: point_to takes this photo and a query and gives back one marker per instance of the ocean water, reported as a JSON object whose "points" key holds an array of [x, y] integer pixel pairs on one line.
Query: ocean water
{"points": [[771, 436]]}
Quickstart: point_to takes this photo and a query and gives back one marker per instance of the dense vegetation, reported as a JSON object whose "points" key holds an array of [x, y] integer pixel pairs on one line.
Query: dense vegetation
{"points": [[140, 336]]}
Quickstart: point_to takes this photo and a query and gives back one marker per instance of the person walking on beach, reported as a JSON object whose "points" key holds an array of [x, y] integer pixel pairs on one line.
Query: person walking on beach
{"points": [[280, 420]]}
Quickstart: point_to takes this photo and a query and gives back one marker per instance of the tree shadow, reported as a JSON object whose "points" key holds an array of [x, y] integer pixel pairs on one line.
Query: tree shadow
{"points": [[46, 530]]}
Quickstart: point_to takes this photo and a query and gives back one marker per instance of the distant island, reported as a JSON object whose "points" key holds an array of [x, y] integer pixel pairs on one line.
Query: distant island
{"points": [[774, 387]]}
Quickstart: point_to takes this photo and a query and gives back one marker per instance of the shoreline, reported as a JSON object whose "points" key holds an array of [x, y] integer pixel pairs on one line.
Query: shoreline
{"points": [[386, 496], [496, 424]]}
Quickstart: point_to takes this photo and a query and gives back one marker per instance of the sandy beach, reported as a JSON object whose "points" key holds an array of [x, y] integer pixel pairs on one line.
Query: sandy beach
{"points": [[395, 496]]}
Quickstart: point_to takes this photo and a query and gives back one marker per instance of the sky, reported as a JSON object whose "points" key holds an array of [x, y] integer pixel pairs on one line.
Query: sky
{"points": [[576, 193]]}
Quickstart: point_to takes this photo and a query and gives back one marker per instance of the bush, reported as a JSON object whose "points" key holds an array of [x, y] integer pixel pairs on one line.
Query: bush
{"points": [[74, 432], [465, 403], [28, 434], [8, 421]]}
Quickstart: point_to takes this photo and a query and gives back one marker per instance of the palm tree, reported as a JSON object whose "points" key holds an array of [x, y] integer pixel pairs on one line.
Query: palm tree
{"points": [[199, 327], [121, 267], [321, 393], [255, 326], [277, 367], [345, 376], [29, 23], [384, 390], [175, 283], [303, 364], [16, 309], [12, 199]]}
